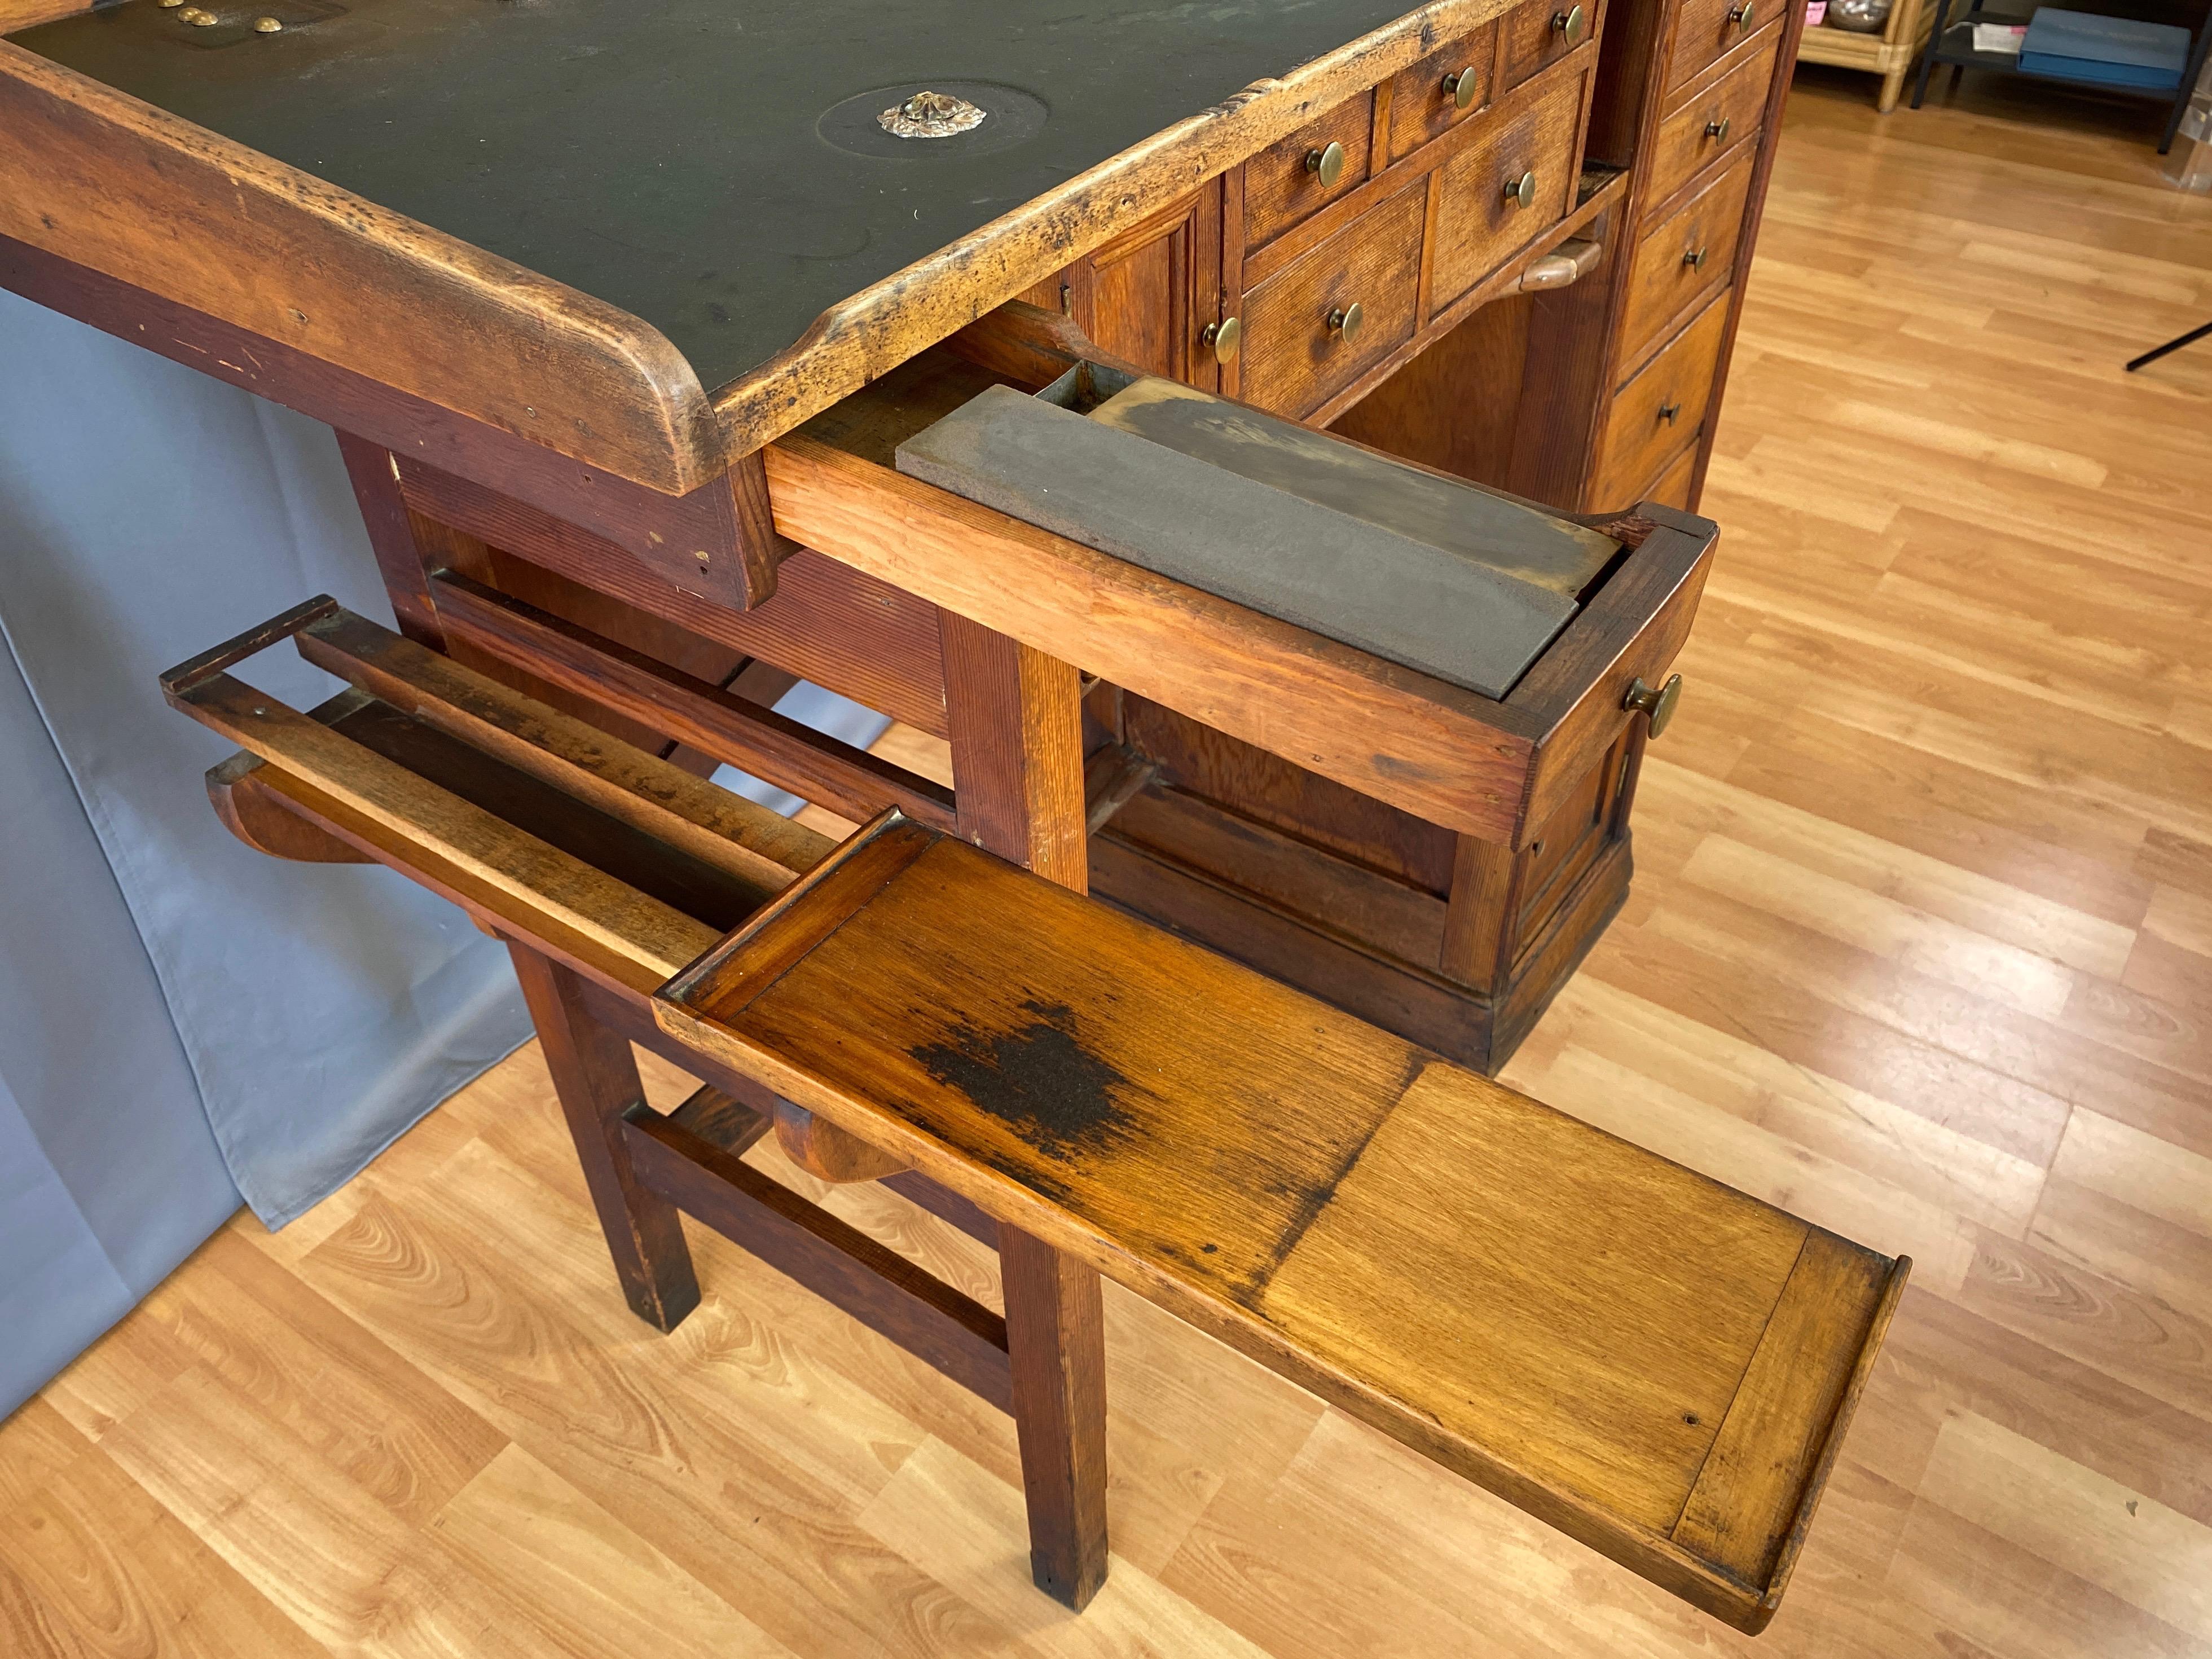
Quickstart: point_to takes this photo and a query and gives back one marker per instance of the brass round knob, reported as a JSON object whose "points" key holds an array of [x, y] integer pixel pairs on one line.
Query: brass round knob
{"points": [[1669, 412], [1326, 165], [1224, 337], [1740, 16], [1657, 704], [1348, 322], [1460, 85], [1521, 192], [1695, 258], [1570, 25], [1718, 129]]}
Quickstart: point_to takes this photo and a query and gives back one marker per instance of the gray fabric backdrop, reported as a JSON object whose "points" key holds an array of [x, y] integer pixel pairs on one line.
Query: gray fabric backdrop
{"points": [[184, 1021]]}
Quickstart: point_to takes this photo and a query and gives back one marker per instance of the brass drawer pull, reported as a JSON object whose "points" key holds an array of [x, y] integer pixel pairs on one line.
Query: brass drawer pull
{"points": [[1570, 25], [1224, 337], [1718, 129], [1669, 412], [1348, 322], [1326, 165], [1741, 16], [1695, 258], [1521, 192], [1460, 85], [1658, 705]]}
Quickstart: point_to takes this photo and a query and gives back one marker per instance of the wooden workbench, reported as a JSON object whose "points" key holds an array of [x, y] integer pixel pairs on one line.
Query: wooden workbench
{"points": [[622, 312]]}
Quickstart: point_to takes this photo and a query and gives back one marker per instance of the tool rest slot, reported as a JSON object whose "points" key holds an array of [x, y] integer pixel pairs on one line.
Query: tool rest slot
{"points": [[1657, 1365]]}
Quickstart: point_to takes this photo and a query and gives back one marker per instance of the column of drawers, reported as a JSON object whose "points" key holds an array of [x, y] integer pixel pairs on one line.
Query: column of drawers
{"points": [[1698, 177], [1348, 239]]}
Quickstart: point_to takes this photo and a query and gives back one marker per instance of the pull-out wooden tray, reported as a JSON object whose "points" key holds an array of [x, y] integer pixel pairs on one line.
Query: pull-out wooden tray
{"points": [[1657, 1364]]}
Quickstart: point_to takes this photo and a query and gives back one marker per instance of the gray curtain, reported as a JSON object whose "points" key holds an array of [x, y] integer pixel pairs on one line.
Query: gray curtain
{"points": [[182, 1021]]}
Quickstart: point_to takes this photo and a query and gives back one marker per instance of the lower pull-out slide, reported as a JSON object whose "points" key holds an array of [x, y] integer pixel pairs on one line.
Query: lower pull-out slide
{"points": [[1659, 1365]]}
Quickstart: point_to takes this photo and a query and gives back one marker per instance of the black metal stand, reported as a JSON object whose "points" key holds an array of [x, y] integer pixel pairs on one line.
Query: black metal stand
{"points": [[1962, 56], [2174, 345]]}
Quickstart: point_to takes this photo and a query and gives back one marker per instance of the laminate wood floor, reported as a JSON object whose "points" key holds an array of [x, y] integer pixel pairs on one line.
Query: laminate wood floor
{"points": [[1920, 947]]}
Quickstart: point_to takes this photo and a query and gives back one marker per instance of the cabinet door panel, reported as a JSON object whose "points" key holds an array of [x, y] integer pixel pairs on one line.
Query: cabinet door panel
{"points": [[1153, 289]]}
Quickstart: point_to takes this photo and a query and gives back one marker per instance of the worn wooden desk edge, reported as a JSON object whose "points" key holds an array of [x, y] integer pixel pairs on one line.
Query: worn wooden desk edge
{"points": [[678, 436], [883, 324], [610, 390]]}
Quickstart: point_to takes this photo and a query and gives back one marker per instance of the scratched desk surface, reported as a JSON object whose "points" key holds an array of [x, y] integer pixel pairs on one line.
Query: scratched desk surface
{"points": [[712, 167]]}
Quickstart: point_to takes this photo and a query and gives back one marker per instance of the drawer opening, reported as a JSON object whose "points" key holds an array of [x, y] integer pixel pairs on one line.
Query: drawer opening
{"points": [[1431, 572], [1414, 1243]]}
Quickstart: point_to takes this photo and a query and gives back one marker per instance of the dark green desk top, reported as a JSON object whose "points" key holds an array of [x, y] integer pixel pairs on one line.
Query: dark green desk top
{"points": [[672, 157]]}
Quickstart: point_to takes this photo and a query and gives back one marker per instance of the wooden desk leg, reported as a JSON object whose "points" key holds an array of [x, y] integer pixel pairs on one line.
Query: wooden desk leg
{"points": [[1017, 736], [595, 1075]]}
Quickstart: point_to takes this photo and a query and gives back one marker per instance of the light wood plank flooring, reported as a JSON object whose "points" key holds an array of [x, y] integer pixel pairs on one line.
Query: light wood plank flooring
{"points": [[1920, 947]]}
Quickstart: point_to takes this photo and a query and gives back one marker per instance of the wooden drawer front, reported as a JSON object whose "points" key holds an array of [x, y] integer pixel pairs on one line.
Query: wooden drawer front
{"points": [[1540, 33], [1688, 253], [1673, 486], [1423, 107], [1477, 227], [1293, 360], [1703, 29], [1661, 407], [1712, 118], [1567, 844], [1280, 190]]}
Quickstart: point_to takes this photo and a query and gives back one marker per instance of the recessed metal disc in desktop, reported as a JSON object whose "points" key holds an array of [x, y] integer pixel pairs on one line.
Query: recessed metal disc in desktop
{"points": [[1011, 117]]}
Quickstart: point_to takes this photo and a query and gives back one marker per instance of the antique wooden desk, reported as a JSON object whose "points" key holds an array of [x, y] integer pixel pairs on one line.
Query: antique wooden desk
{"points": [[633, 321]]}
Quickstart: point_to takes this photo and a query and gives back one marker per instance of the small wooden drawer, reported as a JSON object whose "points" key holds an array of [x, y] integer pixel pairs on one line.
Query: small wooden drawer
{"points": [[1445, 87], [1542, 31], [1688, 253], [1661, 409], [1283, 183], [1481, 221], [1672, 487], [1723, 111], [1295, 357], [1705, 29]]}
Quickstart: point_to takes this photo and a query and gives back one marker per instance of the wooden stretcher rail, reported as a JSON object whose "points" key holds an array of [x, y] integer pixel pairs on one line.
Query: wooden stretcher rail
{"points": [[1658, 1366]]}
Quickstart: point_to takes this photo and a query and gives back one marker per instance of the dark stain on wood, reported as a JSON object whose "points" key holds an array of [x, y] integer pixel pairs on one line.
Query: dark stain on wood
{"points": [[1038, 1079]]}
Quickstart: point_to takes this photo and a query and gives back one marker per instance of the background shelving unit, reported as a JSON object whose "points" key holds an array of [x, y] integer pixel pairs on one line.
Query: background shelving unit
{"points": [[1888, 54]]}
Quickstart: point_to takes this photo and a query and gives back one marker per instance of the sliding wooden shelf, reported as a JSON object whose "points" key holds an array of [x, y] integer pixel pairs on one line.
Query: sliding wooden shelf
{"points": [[1655, 1363]]}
